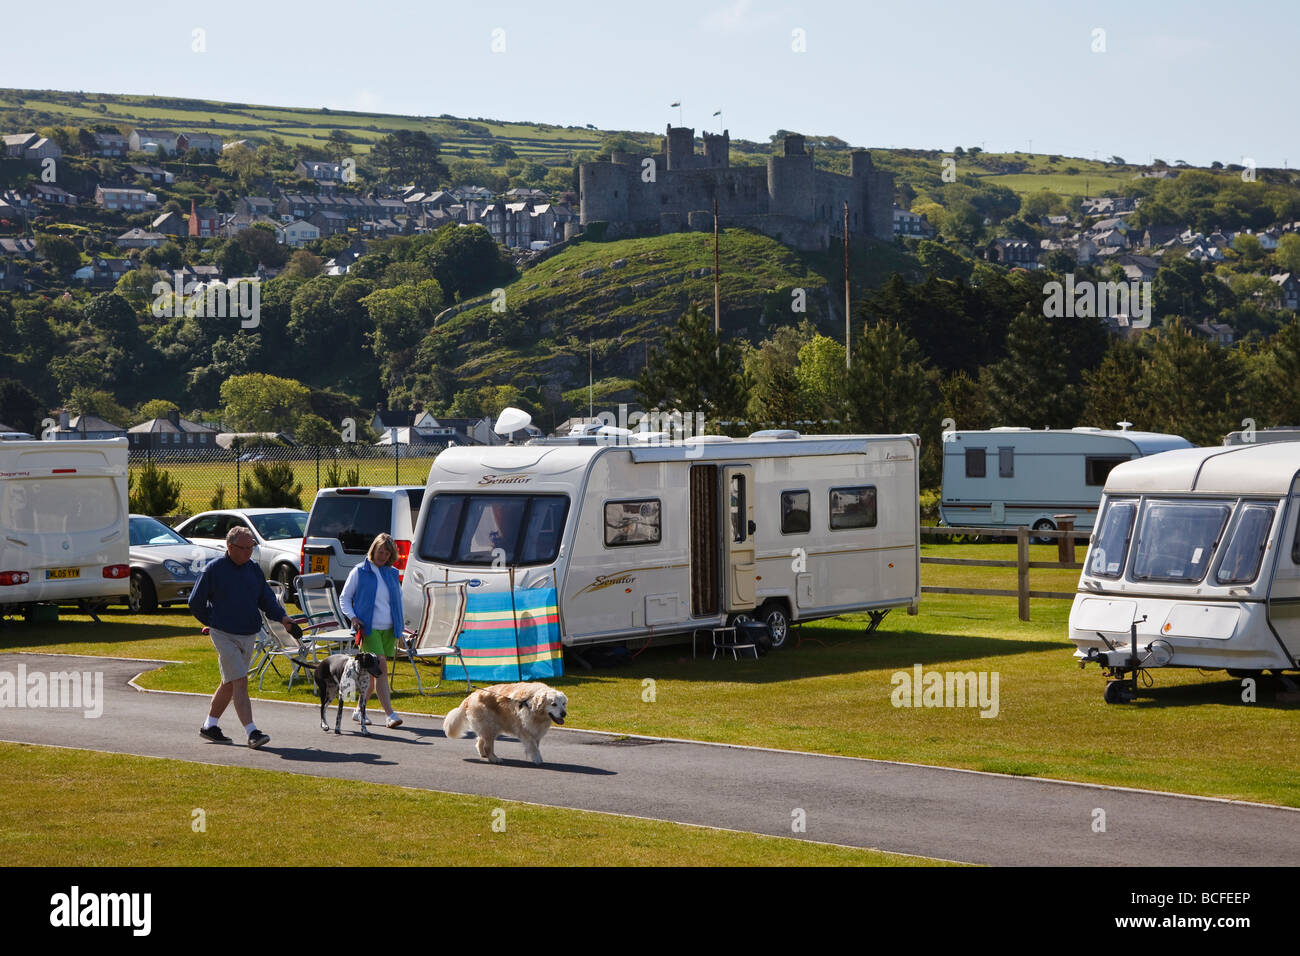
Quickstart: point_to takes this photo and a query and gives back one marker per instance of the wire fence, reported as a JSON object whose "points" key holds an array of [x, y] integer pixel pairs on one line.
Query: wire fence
{"points": [[211, 478]]}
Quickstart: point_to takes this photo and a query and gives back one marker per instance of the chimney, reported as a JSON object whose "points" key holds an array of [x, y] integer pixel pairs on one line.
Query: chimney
{"points": [[174, 416], [63, 418], [194, 219]]}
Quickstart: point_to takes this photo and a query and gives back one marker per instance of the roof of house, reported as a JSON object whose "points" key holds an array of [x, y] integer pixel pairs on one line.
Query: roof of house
{"points": [[164, 425]]}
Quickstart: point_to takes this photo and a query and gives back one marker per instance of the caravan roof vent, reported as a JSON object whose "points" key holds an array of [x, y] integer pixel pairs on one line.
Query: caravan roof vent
{"points": [[782, 433], [707, 440], [1011, 428], [1085, 428]]}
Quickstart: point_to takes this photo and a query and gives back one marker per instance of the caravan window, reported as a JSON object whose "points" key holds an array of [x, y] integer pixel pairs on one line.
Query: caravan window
{"points": [[483, 529], [1176, 540], [1245, 551], [632, 522], [853, 508], [1006, 462], [59, 505], [796, 514], [1110, 547], [975, 463], [1096, 469]]}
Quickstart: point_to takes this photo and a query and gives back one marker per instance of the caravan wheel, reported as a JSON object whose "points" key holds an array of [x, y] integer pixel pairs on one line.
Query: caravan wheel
{"points": [[1043, 525], [774, 615]]}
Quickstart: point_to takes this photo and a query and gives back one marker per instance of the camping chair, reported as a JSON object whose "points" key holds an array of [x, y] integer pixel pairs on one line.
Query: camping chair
{"points": [[280, 643], [264, 643], [438, 634], [325, 625]]}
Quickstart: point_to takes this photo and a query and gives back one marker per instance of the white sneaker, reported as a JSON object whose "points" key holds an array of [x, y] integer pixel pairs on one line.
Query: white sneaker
{"points": [[393, 721], [356, 718]]}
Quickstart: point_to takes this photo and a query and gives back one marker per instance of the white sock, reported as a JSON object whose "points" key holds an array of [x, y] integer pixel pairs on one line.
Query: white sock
{"points": [[210, 722], [250, 729]]}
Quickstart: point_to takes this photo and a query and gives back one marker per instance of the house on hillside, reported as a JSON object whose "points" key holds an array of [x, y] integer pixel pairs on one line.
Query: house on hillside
{"points": [[1289, 285], [31, 147], [154, 174], [51, 194], [1013, 252], [203, 142], [110, 145], [321, 172], [170, 224], [140, 239], [153, 141], [83, 428], [298, 233], [204, 221], [125, 199], [171, 432]]}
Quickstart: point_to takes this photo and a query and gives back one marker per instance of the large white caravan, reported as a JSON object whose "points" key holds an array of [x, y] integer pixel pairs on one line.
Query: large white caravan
{"points": [[1195, 563], [1018, 477], [647, 539], [63, 521]]}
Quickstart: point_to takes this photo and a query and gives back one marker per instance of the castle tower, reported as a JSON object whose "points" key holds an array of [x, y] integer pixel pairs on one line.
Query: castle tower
{"points": [[717, 149], [791, 189], [679, 145]]}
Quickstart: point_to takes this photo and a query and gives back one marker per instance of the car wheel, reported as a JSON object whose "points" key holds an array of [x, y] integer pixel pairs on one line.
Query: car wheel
{"points": [[1043, 525], [142, 597], [284, 574], [774, 615]]}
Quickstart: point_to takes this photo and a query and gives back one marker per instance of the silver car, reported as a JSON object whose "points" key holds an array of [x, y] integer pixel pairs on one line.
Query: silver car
{"points": [[164, 565], [277, 531]]}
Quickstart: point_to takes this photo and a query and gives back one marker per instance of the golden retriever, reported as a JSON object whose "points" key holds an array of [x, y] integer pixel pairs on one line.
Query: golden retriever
{"points": [[520, 710]]}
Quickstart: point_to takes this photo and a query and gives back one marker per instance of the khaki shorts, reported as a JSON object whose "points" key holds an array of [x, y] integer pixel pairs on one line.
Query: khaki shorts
{"points": [[234, 652]]}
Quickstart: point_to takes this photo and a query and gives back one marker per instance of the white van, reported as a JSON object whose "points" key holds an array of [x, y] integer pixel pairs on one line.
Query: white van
{"points": [[1200, 548], [63, 521], [642, 538], [1018, 477]]}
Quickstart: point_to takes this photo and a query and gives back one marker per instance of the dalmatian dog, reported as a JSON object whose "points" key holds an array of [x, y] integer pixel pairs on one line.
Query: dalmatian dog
{"points": [[342, 675]]}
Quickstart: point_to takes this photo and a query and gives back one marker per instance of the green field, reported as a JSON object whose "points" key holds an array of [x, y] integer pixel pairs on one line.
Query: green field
{"points": [[1190, 732], [199, 481], [244, 822]]}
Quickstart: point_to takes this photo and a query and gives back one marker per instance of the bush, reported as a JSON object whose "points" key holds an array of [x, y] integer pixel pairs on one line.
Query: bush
{"points": [[336, 479], [157, 492], [218, 502], [272, 486]]}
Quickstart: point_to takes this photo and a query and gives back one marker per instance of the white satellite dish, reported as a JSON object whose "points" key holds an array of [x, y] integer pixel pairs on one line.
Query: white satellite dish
{"points": [[511, 420], [1124, 426]]}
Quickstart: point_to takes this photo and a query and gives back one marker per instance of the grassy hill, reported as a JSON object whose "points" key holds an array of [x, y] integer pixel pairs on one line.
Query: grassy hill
{"points": [[619, 298]]}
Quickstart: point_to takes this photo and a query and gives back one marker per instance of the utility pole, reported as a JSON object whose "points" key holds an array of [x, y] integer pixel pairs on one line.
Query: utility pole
{"points": [[590, 380], [717, 292], [848, 362]]}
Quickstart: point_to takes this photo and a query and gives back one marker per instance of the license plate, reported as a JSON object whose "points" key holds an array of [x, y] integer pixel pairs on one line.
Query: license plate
{"points": [[320, 564], [52, 574]]}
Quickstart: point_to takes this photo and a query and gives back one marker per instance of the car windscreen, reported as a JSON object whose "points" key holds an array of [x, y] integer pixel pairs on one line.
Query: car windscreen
{"points": [[147, 531], [1245, 550], [280, 527], [354, 520], [494, 530], [59, 505], [1176, 539]]}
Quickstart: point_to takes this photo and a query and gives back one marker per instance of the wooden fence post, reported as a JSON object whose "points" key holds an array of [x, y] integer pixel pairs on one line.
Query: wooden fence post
{"points": [[1022, 571], [1065, 540]]}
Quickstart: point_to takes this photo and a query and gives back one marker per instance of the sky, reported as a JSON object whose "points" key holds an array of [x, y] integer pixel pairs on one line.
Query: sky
{"points": [[1188, 80]]}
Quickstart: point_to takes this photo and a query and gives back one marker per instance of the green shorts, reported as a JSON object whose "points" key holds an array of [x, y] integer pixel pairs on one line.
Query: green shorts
{"points": [[380, 642]]}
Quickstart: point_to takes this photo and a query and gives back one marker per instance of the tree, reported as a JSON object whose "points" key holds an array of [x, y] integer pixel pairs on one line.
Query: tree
{"points": [[1031, 385], [821, 375], [466, 261], [156, 493], [1190, 386], [695, 372], [888, 388], [86, 401], [773, 369], [261, 403], [1114, 390], [59, 252], [272, 486], [500, 152], [1287, 254], [409, 156], [1279, 371], [966, 402], [303, 265], [18, 405], [314, 430], [157, 408], [243, 163], [338, 145]]}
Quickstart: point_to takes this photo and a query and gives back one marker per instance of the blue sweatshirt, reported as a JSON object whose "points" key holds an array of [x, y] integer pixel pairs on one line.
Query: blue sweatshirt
{"points": [[227, 596]]}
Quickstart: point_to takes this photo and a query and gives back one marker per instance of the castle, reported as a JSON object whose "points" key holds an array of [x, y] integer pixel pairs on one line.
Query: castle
{"points": [[674, 190]]}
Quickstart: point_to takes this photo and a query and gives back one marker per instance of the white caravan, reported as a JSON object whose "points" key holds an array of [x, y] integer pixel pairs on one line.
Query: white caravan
{"points": [[1195, 563], [63, 521], [1018, 477], [649, 538]]}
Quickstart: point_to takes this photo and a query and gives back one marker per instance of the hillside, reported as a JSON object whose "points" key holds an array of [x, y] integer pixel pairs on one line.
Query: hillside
{"points": [[621, 297]]}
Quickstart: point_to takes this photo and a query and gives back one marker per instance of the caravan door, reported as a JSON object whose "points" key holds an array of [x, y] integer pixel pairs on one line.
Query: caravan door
{"points": [[738, 537]]}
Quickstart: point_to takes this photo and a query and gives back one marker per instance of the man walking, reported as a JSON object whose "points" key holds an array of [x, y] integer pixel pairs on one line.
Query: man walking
{"points": [[226, 598]]}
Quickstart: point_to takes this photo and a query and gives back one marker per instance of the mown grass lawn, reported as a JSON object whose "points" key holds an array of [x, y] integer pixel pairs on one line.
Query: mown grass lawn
{"points": [[1190, 732], [92, 814]]}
